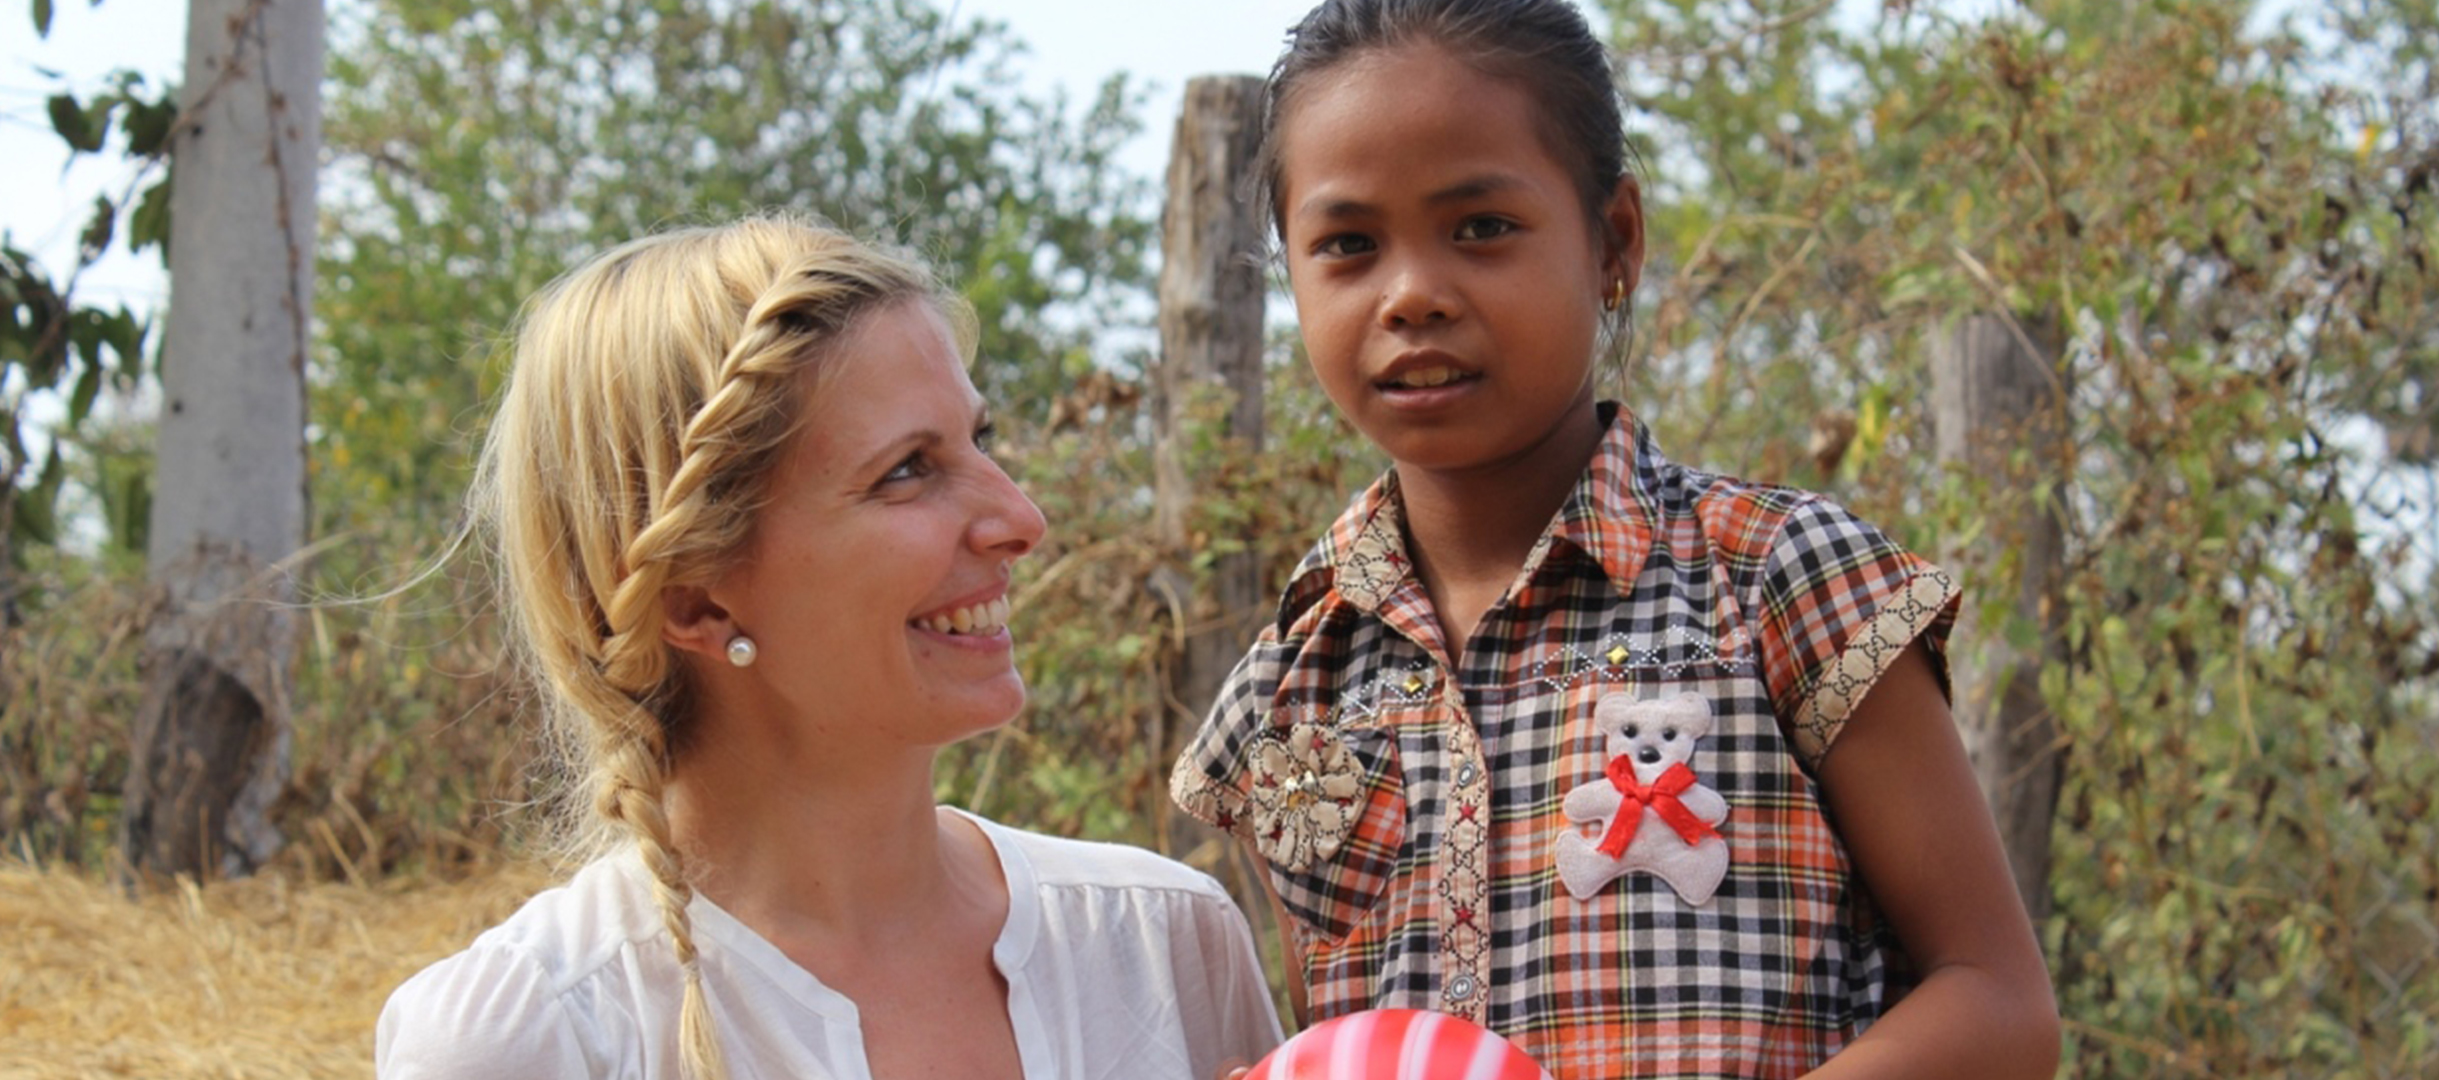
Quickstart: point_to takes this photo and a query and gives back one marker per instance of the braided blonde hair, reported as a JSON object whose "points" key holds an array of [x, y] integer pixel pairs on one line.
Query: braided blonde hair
{"points": [[653, 389]]}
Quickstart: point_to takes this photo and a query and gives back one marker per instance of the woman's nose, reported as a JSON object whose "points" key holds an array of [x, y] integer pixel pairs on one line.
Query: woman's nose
{"points": [[1008, 521]]}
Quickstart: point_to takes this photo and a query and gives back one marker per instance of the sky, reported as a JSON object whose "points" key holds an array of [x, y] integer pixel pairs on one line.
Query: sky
{"points": [[1071, 43]]}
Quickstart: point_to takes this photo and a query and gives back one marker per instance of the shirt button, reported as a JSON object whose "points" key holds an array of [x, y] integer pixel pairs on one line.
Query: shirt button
{"points": [[1461, 988], [1466, 774]]}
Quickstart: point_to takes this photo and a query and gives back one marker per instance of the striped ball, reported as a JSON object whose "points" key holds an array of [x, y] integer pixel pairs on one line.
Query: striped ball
{"points": [[1397, 1044]]}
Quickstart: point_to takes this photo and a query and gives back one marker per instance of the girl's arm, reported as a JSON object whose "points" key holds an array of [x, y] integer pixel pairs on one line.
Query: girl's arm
{"points": [[1904, 798]]}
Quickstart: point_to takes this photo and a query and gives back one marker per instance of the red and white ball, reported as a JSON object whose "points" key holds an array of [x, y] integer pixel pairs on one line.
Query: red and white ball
{"points": [[1397, 1044]]}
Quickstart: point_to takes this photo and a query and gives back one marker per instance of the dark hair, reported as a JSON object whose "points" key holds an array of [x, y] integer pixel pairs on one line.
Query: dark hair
{"points": [[1543, 46]]}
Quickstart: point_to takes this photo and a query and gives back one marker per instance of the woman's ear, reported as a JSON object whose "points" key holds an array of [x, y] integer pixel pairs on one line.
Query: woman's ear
{"points": [[1624, 216], [693, 622]]}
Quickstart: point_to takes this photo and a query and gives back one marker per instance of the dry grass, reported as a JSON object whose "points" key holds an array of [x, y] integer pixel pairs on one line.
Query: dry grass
{"points": [[257, 978]]}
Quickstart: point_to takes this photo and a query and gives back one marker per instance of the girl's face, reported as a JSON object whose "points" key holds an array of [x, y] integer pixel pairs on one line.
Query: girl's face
{"points": [[875, 581], [1446, 279]]}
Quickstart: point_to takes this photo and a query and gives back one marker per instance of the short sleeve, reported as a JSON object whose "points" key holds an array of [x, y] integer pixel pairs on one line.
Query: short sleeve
{"points": [[1209, 780], [487, 1012], [1838, 603]]}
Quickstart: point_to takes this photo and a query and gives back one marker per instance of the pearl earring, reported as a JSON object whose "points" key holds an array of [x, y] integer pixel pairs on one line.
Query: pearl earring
{"points": [[741, 651]]}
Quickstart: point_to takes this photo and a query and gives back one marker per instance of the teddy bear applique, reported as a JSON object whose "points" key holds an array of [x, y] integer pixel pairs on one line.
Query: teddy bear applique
{"points": [[1647, 811]]}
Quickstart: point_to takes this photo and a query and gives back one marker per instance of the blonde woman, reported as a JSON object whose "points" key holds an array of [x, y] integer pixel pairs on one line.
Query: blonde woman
{"points": [[758, 553]]}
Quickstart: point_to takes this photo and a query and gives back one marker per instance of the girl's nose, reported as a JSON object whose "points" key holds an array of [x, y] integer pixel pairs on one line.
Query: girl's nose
{"points": [[1417, 296], [1007, 522]]}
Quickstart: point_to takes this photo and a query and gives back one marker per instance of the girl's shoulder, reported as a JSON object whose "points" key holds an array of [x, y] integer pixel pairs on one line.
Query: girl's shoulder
{"points": [[1727, 509]]}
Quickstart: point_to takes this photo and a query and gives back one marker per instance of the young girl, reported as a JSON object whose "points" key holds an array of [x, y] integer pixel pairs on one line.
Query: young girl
{"points": [[1647, 769], [758, 552]]}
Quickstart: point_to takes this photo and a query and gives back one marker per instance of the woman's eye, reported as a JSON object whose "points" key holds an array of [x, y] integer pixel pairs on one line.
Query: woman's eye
{"points": [[1343, 245], [986, 436], [912, 468], [1484, 228]]}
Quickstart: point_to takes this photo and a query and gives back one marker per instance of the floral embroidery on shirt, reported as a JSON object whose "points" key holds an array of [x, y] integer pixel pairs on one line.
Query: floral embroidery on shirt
{"points": [[1305, 783]]}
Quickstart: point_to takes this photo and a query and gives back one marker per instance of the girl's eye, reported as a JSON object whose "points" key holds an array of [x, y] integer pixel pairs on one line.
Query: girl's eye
{"points": [[1484, 228], [1343, 245], [986, 436]]}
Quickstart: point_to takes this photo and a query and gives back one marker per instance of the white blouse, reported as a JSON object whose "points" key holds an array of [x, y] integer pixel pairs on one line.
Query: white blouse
{"points": [[1120, 963]]}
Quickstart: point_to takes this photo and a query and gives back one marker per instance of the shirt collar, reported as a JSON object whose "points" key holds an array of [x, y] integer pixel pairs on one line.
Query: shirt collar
{"points": [[1607, 517]]}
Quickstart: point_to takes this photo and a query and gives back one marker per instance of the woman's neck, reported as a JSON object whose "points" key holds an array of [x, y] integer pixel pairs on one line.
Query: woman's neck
{"points": [[1469, 532], [850, 849]]}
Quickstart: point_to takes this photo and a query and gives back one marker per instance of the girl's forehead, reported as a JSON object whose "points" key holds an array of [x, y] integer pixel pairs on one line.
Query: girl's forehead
{"points": [[1385, 101]]}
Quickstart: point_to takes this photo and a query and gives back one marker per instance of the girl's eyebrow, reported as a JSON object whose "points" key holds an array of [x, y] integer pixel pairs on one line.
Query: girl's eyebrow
{"points": [[1470, 188], [1474, 187]]}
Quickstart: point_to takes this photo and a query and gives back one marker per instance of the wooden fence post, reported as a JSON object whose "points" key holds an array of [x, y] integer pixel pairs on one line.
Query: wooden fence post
{"points": [[1211, 286], [1998, 397]]}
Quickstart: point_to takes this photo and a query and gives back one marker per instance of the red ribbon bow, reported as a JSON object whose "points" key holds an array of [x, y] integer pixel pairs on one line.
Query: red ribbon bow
{"points": [[1660, 796]]}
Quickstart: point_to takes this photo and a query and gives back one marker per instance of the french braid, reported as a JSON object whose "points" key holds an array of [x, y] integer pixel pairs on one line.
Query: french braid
{"points": [[653, 388]]}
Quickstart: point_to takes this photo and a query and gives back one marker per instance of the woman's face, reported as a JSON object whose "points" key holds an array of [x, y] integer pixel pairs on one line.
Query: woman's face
{"points": [[875, 580]]}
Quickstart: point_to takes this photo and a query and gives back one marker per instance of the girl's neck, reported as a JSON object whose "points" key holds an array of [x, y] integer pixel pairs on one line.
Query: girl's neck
{"points": [[1469, 532]]}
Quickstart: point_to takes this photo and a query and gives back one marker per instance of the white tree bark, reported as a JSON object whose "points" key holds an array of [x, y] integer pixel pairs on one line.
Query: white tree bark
{"points": [[212, 733]]}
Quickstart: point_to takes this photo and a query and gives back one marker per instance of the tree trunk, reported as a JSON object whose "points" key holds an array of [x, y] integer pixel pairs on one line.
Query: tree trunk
{"points": [[212, 731], [1211, 286], [1999, 400]]}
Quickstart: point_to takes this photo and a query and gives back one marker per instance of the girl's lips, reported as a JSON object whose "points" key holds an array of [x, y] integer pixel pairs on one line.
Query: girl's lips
{"points": [[1424, 379], [1408, 396]]}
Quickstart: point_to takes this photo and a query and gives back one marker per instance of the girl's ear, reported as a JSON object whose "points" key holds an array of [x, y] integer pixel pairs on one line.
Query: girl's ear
{"points": [[694, 622], [1625, 219]]}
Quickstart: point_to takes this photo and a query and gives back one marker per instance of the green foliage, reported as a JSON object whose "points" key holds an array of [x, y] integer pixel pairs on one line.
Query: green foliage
{"points": [[481, 148], [2227, 224], [50, 344]]}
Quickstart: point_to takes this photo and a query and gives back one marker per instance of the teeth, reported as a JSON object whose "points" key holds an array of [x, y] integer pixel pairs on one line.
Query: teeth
{"points": [[1425, 378], [984, 618]]}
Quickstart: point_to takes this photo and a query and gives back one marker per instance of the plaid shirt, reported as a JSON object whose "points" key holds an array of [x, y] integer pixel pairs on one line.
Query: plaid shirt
{"points": [[1409, 809]]}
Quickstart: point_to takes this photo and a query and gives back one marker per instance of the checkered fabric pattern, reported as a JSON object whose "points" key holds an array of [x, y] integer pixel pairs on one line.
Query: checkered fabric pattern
{"points": [[1776, 606]]}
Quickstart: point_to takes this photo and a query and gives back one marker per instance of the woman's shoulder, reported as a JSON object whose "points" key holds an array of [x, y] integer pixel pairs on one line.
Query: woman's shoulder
{"points": [[574, 927], [511, 1002], [1058, 862]]}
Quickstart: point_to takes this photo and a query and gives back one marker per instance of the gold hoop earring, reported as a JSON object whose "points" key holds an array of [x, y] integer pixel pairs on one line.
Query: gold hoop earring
{"points": [[1617, 294]]}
